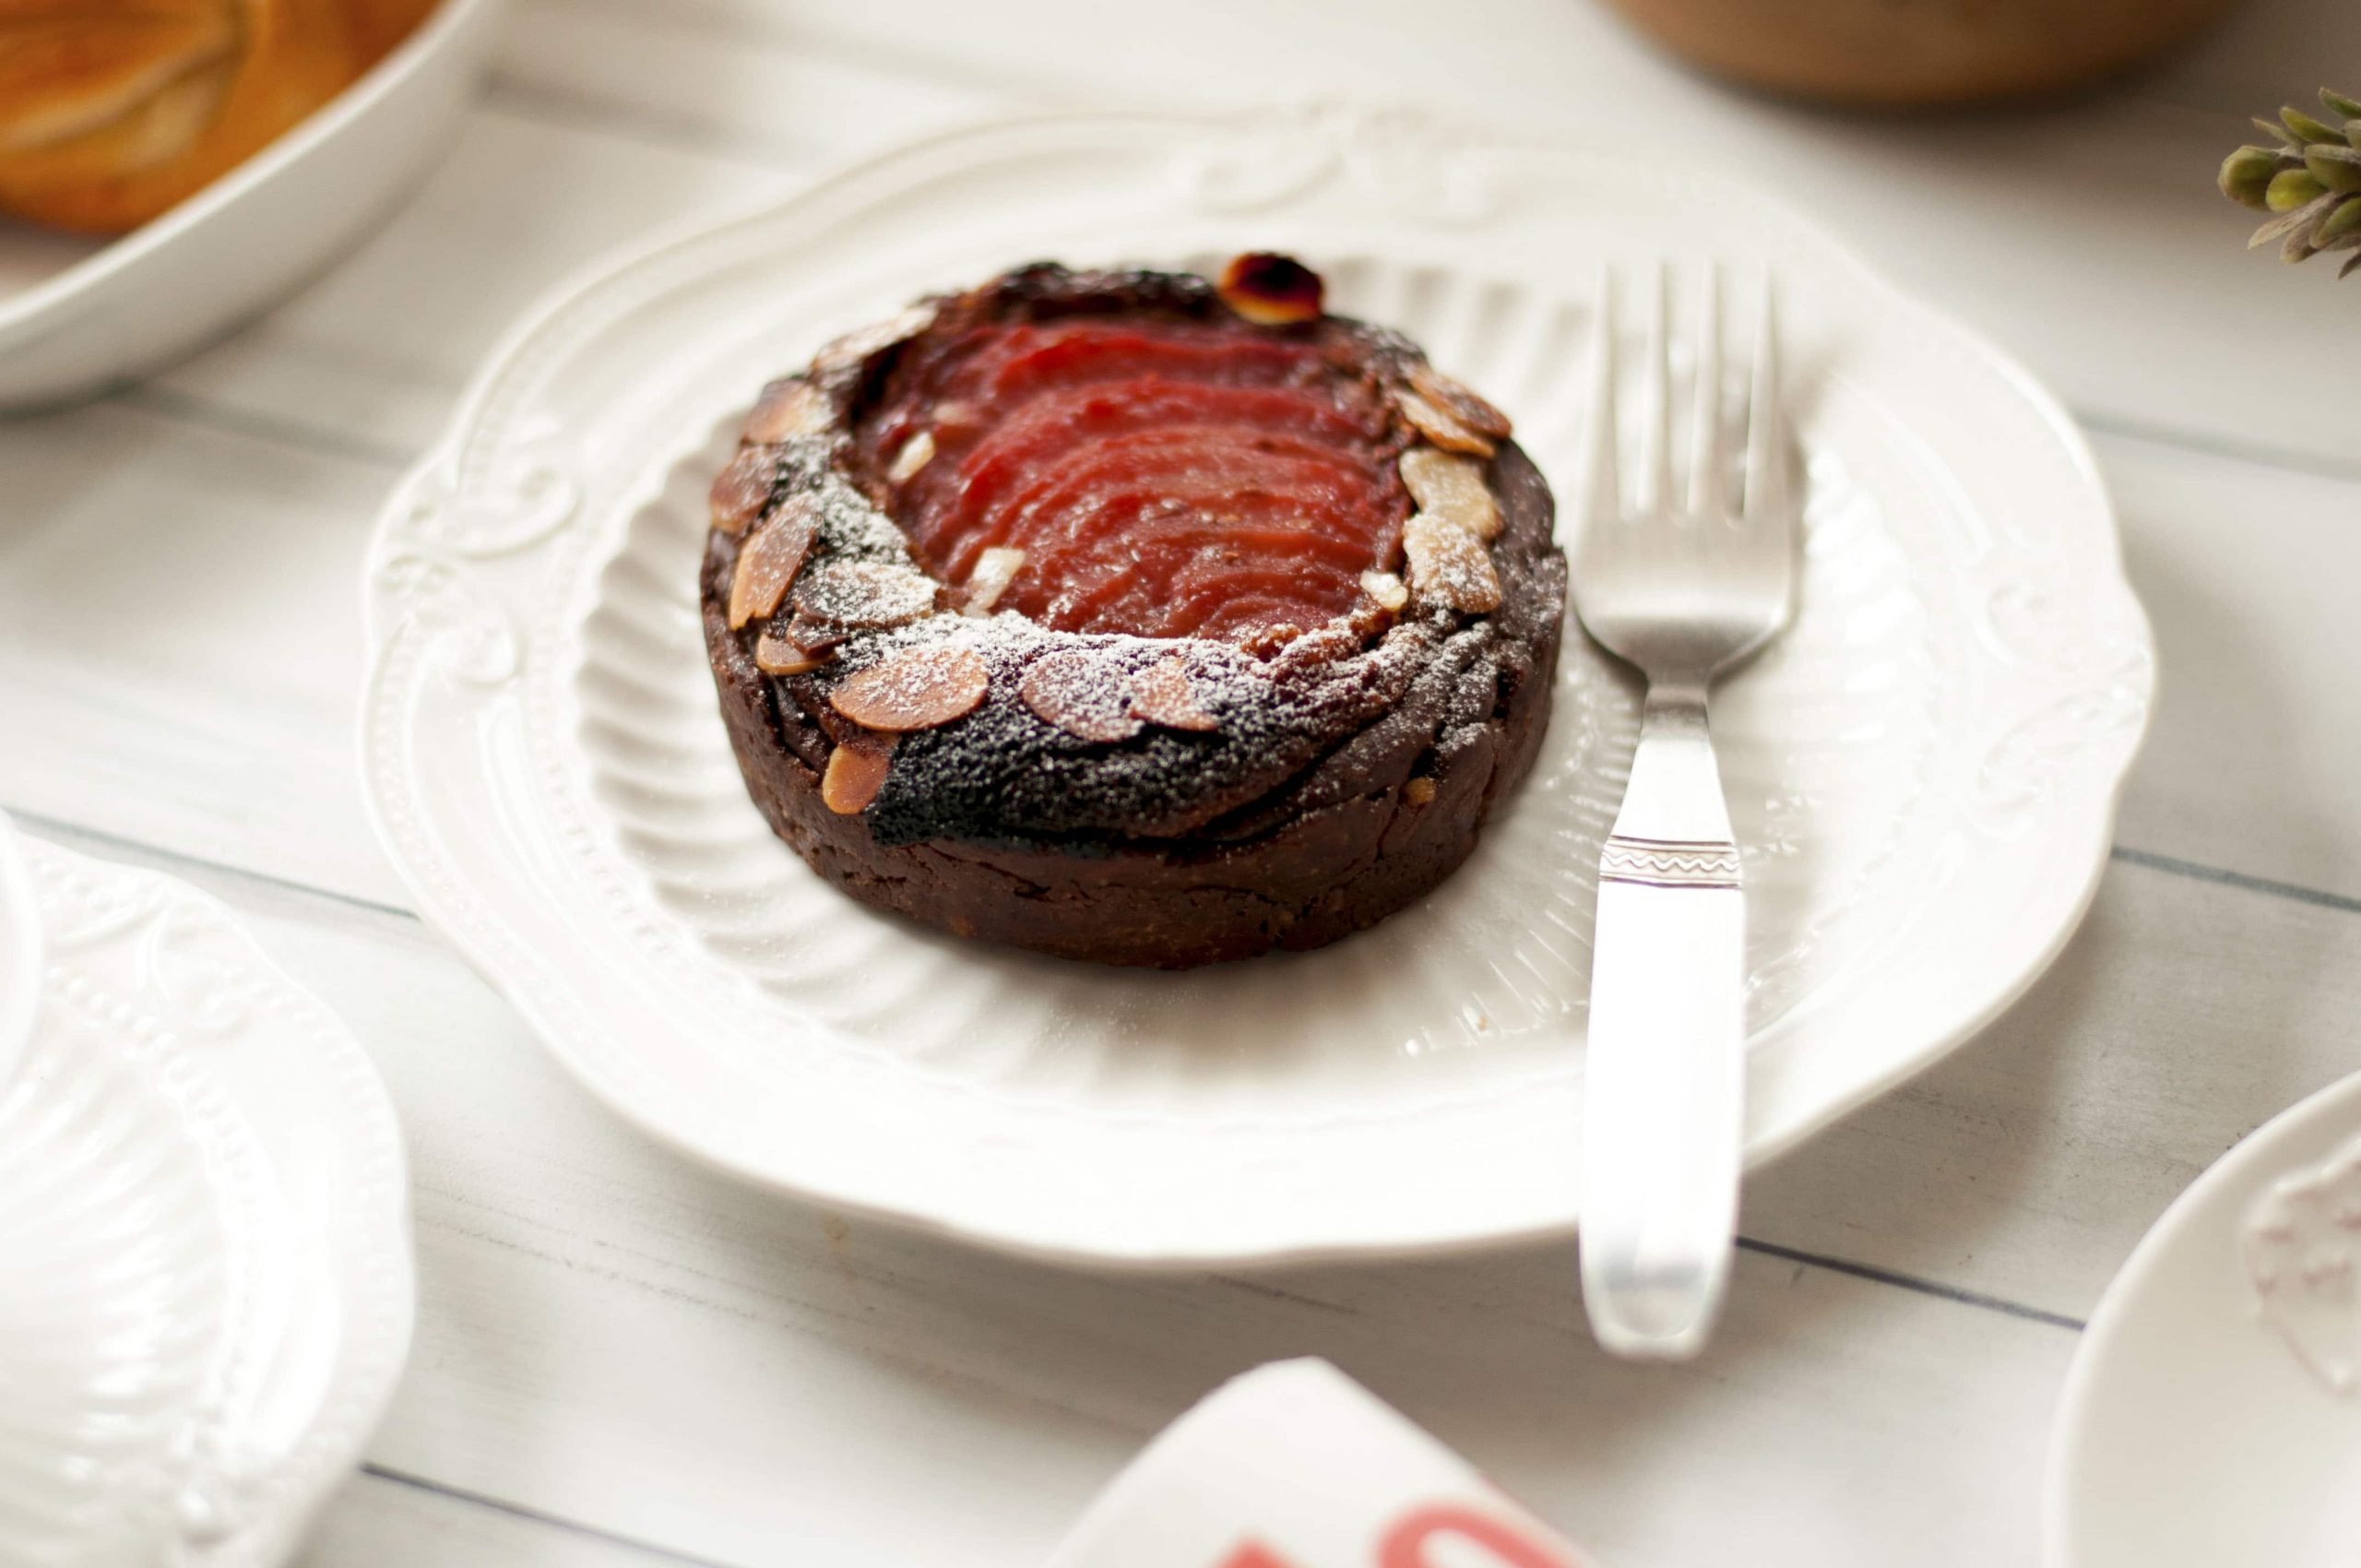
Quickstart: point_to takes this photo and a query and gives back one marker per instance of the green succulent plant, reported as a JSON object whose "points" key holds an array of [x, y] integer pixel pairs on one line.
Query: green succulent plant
{"points": [[2309, 179]]}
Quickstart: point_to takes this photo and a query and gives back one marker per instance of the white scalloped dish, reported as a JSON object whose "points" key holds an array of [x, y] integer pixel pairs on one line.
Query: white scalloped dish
{"points": [[1923, 772], [206, 1290]]}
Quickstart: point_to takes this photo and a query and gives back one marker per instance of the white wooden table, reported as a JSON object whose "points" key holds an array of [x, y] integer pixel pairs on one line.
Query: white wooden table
{"points": [[622, 1359]]}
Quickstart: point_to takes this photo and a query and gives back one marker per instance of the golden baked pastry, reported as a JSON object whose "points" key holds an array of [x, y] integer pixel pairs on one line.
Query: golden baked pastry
{"points": [[111, 111]]}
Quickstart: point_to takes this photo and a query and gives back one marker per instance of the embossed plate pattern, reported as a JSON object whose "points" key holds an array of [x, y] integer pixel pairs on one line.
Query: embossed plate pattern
{"points": [[205, 1288], [1923, 773]]}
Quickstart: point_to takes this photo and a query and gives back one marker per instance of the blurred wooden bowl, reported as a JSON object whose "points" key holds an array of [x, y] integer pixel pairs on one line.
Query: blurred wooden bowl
{"points": [[1898, 53]]}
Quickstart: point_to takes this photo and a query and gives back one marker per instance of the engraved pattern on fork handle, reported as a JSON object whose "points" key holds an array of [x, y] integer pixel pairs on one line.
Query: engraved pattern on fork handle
{"points": [[1668, 862]]}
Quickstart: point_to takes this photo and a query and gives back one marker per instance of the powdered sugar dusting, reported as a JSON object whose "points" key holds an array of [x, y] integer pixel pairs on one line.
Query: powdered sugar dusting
{"points": [[1082, 692], [865, 594], [850, 527], [916, 688], [1452, 487], [1163, 693], [1449, 565]]}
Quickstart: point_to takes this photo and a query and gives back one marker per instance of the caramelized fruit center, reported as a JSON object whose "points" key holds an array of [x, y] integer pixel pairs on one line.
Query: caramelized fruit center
{"points": [[1164, 477]]}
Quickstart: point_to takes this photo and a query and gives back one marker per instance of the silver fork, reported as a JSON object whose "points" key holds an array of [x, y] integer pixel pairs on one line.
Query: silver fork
{"points": [[1685, 588]]}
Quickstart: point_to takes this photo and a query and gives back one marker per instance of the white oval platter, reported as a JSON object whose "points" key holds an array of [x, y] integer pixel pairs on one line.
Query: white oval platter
{"points": [[205, 1286], [2212, 1414], [1924, 772]]}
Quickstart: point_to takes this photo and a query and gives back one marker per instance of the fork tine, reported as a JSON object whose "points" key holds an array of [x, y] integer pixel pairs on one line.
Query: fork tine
{"points": [[1604, 498], [1766, 476], [1656, 473], [1708, 460]]}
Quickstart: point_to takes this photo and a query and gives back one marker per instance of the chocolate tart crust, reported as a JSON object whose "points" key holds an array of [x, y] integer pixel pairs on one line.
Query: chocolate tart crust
{"points": [[1348, 773]]}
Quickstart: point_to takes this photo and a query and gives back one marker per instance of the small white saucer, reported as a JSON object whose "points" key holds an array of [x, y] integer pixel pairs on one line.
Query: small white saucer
{"points": [[205, 1285], [2212, 1415]]}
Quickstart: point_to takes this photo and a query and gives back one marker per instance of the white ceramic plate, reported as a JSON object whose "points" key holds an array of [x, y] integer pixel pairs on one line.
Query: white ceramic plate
{"points": [[1923, 773], [78, 315], [20, 946], [205, 1288], [2212, 1414]]}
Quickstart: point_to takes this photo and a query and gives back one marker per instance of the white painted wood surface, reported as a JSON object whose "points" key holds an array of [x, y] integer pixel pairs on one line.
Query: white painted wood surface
{"points": [[622, 1359]]}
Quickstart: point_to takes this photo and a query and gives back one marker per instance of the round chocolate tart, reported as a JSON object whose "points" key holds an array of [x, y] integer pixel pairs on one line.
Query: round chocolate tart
{"points": [[1130, 616]]}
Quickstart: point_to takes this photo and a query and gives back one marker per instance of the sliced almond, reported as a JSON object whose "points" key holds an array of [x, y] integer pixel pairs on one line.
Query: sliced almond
{"points": [[1419, 792], [1080, 693], [854, 347], [793, 407], [769, 560], [743, 487], [952, 416], [779, 656], [1449, 565], [865, 594], [857, 770], [1429, 420], [917, 689], [916, 454], [1323, 644], [1386, 588], [1460, 402], [814, 636], [1270, 289], [995, 569], [1452, 488], [1163, 693]]}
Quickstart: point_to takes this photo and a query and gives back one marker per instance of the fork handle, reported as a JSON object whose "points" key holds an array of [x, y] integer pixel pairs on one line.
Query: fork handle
{"points": [[1664, 1083]]}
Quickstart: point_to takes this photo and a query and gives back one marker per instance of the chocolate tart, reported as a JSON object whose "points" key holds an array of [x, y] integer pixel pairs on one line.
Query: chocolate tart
{"points": [[1128, 616]]}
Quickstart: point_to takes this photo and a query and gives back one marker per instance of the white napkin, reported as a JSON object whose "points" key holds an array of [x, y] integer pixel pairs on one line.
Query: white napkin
{"points": [[1297, 1466]]}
